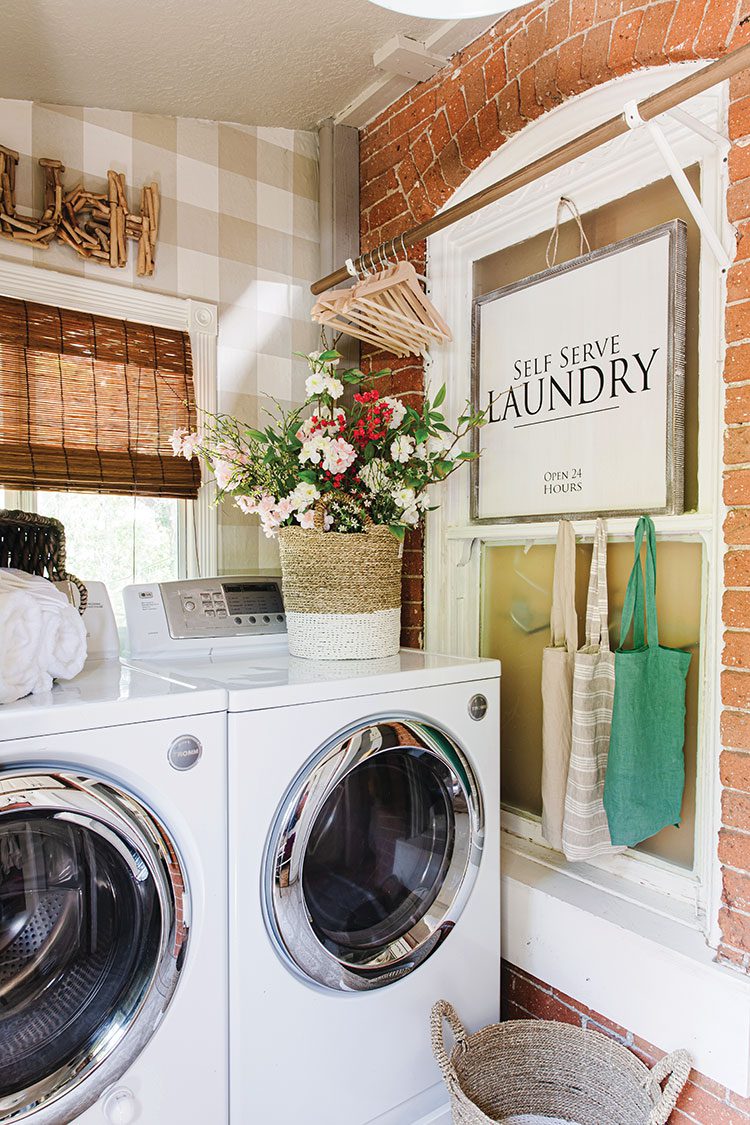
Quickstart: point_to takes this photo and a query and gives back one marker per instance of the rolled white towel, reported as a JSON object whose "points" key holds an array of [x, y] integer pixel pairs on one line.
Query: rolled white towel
{"points": [[65, 633], [24, 652]]}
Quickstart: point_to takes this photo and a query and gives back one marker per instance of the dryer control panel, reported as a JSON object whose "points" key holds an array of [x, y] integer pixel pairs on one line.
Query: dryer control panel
{"points": [[167, 616]]}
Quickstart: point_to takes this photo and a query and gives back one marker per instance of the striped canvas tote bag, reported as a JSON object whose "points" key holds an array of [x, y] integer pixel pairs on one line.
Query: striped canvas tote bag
{"points": [[585, 828]]}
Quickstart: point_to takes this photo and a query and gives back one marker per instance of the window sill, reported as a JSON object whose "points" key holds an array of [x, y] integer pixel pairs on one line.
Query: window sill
{"points": [[636, 962]]}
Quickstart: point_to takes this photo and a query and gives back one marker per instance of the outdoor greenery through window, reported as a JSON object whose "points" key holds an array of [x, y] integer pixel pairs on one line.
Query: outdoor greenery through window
{"points": [[113, 539]]}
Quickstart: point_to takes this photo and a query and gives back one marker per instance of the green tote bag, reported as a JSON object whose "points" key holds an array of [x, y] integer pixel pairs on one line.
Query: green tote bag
{"points": [[646, 765]]}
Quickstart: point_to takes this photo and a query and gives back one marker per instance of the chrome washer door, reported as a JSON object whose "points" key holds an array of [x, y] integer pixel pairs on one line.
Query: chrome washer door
{"points": [[94, 916], [373, 855]]}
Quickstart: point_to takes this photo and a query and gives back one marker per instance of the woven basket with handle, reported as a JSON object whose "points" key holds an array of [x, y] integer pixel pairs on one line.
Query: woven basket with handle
{"points": [[342, 590], [539, 1068], [36, 544]]}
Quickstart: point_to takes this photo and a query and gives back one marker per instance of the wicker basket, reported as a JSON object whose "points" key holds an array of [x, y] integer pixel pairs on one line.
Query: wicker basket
{"points": [[553, 1070], [36, 544], [342, 590]]}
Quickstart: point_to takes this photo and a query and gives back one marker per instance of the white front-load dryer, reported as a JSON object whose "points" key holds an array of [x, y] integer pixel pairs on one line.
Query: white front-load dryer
{"points": [[113, 965], [364, 886], [364, 856]]}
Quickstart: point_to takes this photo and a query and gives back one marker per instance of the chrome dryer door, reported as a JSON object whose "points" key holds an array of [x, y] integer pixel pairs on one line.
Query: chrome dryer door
{"points": [[373, 854]]}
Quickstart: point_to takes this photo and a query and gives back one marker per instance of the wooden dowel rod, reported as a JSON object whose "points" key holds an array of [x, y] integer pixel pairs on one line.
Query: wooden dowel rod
{"points": [[661, 102]]}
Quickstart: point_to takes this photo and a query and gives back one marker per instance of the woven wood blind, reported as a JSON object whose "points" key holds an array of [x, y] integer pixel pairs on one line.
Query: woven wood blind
{"points": [[87, 403]]}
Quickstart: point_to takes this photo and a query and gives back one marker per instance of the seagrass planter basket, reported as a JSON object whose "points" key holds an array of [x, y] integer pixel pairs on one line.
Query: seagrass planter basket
{"points": [[342, 591], [537, 1069]]}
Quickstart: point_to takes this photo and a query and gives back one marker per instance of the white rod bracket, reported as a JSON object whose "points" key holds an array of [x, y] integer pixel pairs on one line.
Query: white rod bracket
{"points": [[633, 119]]}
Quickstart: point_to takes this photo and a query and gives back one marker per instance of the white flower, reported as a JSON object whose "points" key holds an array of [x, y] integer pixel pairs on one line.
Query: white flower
{"points": [[188, 446], [421, 451], [374, 475], [404, 497], [436, 446], [315, 384], [247, 505], [303, 495], [176, 439], [224, 472], [314, 449], [399, 412], [402, 448], [411, 517], [333, 387], [306, 519], [338, 456], [327, 522]]}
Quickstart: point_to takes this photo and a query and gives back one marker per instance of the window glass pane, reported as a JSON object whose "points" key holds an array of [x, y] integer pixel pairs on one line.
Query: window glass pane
{"points": [[658, 203], [516, 627], [116, 539]]}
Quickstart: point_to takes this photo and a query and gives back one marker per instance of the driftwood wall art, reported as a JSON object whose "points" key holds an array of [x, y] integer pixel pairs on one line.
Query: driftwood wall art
{"points": [[97, 225]]}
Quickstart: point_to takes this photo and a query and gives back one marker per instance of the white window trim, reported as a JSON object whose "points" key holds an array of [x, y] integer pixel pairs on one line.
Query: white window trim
{"points": [[198, 536], [453, 557]]}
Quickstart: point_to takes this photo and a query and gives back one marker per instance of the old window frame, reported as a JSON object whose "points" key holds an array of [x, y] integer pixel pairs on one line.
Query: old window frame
{"points": [[453, 563]]}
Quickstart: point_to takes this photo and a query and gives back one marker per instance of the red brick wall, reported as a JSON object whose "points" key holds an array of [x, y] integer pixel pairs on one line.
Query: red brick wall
{"points": [[702, 1101], [415, 155]]}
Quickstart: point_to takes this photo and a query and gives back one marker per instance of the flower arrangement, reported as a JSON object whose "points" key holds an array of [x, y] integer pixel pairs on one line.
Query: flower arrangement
{"points": [[379, 454]]}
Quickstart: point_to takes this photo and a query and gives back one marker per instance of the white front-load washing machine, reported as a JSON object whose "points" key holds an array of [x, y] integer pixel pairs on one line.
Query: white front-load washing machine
{"points": [[113, 963], [364, 855]]}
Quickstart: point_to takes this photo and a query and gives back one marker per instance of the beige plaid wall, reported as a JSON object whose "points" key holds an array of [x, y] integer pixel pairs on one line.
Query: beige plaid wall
{"points": [[239, 227]]}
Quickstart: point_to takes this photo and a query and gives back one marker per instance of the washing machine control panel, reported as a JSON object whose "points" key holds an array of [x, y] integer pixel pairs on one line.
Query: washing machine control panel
{"points": [[202, 609]]}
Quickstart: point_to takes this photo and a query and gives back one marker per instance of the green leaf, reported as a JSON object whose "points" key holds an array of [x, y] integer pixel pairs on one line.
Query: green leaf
{"points": [[369, 451], [325, 357], [398, 531], [257, 435], [439, 397]]}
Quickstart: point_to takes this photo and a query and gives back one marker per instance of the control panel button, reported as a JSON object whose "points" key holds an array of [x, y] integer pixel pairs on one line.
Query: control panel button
{"points": [[279, 617], [210, 613], [189, 606], [238, 620], [221, 613], [252, 621], [266, 620]]}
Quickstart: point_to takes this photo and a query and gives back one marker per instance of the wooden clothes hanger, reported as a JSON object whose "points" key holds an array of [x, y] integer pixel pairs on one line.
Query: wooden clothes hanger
{"points": [[386, 308]]}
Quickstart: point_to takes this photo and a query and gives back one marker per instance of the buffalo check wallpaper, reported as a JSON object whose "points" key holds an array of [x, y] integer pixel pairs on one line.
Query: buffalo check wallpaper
{"points": [[239, 227]]}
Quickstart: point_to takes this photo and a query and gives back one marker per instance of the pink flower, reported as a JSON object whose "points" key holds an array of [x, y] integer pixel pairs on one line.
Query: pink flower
{"points": [[270, 524], [224, 471], [306, 519], [266, 505], [247, 505], [284, 508], [338, 456]]}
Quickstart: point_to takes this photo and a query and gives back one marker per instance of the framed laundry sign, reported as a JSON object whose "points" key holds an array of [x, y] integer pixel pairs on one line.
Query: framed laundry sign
{"points": [[581, 371]]}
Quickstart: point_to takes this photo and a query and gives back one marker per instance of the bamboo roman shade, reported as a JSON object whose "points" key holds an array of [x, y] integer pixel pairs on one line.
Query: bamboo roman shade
{"points": [[88, 403]]}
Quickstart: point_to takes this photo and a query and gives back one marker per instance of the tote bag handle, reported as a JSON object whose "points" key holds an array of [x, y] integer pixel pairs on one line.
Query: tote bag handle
{"points": [[563, 621], [632, 610], [597, 606]]}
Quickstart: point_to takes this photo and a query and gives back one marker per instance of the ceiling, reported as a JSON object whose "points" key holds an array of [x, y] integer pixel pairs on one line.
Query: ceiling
{"points": [[261, 62]]}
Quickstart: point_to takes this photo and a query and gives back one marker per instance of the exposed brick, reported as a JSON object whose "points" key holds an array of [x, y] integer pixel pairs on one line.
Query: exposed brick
{"points": [[737, 487], [558, 22], [739, 162], [651, 47], [734, 769], [735, 729], [545, 82], [735, 927], [488, 128], [734, 851], [736, 609], [735, 689], [583, 15], [738, 321], [704, 1107], [739, 120], [570, 66], [737, 363], [736, 650], [738, 202], [509, 110], [737, 890], [495, 72], [684, 28], [737, 446], [595, 54], [624, 41], [735, 812], [469, 145], [738, 281], [716, 26], [737, 405]]}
